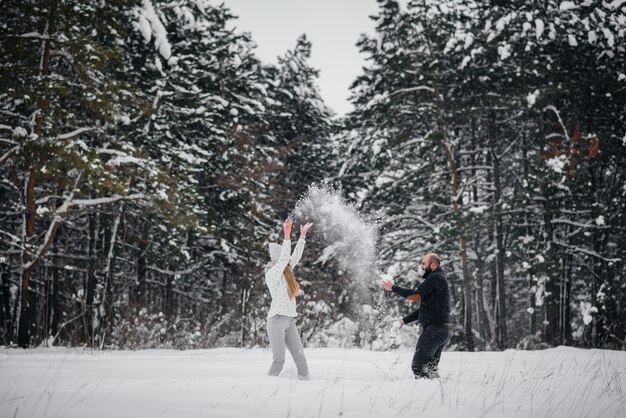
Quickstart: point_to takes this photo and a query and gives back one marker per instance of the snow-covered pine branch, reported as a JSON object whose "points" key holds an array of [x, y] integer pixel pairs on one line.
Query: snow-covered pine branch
{"points": [[412, 89], [75, 133], [14, 238], [7, 154], [99, 201], [149, 24], [35, 35], [68, 135]]}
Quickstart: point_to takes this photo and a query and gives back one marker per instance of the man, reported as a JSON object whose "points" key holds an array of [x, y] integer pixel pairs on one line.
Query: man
{"points": [[433, 314]]}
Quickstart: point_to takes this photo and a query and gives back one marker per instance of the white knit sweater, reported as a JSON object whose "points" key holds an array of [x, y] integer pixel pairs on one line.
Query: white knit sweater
{"points": [[281, 304]]}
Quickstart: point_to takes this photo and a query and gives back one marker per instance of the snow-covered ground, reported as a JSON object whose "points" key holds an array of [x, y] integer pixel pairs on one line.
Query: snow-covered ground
{"points": [[227, 382]]}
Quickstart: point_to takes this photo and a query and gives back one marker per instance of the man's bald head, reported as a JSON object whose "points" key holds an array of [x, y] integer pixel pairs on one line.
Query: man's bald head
{"points": [[430, 259]]}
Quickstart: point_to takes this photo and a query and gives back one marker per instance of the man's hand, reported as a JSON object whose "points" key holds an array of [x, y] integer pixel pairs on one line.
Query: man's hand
{"points": [[401, 323], [387, 284], [287, 228]]}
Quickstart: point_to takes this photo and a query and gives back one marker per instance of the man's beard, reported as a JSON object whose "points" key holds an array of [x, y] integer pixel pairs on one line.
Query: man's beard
{"points": [[427, 271]]}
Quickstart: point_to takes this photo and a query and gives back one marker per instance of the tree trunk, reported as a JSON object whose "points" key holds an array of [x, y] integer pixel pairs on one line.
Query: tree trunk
{"points": [[566, 311], [456, 206], [467, 294], [246, 288], [500, 302], [245, 297], [487, 307], [5, 304], [25, 312], [54, 300], [551, 286], [481, 319], [47, 307], [141, 300], [106, 309], [532, 325], [169, 308], [91, 280]]}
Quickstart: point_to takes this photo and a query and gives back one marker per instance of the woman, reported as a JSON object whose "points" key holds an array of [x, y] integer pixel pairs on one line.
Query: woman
{"points": [[281, 319]]}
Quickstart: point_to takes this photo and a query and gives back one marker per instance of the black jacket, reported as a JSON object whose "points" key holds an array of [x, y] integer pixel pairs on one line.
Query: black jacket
{"points": [[435, 300]]}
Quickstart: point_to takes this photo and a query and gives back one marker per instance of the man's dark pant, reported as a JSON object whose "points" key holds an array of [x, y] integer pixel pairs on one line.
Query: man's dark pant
{"points": [[428, 351]]}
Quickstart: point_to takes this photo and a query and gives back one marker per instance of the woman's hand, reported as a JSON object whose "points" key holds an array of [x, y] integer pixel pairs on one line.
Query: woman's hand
{"points": [[304, 229], [287, 228]]}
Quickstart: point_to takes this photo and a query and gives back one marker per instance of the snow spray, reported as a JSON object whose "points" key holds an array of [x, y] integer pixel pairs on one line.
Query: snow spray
{"points": [[350, 236], [350, 239]]}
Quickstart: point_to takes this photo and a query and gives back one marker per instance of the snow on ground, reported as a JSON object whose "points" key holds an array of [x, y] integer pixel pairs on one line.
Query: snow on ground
{"points": [[231, 382]]}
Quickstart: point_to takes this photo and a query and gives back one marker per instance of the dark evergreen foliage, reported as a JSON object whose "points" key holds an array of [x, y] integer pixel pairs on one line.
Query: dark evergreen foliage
{"points": [[147, 157]]}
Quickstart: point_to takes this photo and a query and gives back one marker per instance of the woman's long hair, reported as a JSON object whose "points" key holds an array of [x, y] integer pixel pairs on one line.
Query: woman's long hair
{"points": [[292, 285]]}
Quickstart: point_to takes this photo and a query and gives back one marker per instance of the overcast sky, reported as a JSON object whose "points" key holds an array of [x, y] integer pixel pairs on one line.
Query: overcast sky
{"points": [[332, 26]]}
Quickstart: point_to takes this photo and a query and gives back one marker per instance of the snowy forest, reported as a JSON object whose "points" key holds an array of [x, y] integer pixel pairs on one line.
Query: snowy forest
{"points": [[148, 157]]}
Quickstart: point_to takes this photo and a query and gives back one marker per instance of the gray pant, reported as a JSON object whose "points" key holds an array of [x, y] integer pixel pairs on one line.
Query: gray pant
{"points": [[282, 331]]}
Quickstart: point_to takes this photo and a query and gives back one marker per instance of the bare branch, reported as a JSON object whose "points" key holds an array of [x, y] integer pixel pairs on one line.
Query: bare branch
{"points": [[188, 270], [587, 252]]}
